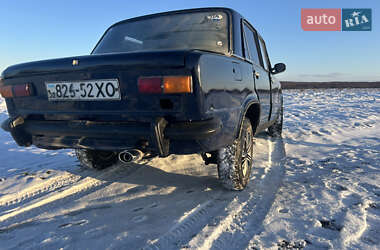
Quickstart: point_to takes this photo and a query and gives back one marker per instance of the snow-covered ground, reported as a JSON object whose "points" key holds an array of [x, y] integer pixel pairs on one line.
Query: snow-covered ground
{"points": [[317, 187]]}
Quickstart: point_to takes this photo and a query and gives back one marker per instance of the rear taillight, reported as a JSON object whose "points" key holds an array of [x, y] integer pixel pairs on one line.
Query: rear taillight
{"points": [[177, 84], [151, 85], [22, 90], [6, 91], [19, 90], [165, 85]]}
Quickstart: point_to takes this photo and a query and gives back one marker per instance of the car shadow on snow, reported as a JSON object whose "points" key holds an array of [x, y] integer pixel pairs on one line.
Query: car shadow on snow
{"points": [[148, 175], [185, 171]]}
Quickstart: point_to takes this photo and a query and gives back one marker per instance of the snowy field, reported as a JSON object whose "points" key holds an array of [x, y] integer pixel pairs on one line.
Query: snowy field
{"points": [[317, 187]]}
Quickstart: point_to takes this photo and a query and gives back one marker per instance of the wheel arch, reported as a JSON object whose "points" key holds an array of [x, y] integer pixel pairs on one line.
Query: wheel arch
{"points": [[252, 111], [253, 114]]}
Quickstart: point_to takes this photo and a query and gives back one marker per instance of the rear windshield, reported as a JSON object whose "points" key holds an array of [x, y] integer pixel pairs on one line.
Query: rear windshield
{"points": [[197, 30]]}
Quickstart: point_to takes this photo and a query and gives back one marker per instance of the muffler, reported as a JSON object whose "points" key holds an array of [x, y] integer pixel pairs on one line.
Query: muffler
{"points": [[130, 155]]}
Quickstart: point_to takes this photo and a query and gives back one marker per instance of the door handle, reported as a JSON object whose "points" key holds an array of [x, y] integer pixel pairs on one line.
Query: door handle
{"points": [[256, 74]]}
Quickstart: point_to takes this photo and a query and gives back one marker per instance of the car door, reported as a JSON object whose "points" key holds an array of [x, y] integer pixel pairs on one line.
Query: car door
{"points": [[274, 85], [259, 75]]}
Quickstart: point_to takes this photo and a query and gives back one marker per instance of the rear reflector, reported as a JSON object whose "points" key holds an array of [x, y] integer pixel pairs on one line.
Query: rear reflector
{"points": [[16, 90], [6, 91], [165, 85]]}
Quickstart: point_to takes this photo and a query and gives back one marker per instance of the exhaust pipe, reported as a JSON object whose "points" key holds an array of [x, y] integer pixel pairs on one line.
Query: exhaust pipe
{"points": [[130, 155]]}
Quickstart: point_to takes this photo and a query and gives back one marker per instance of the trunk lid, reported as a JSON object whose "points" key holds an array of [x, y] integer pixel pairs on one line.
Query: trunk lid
{"points": [[96, 62], [126, 67]]}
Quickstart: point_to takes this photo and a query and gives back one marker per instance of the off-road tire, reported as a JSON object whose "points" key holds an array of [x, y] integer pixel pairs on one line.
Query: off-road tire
{"points": [[275, 129], [235, 161], [96, 159]]}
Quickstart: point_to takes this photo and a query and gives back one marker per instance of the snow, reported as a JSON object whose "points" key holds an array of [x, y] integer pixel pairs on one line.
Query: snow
{"points": [[316, 187]]}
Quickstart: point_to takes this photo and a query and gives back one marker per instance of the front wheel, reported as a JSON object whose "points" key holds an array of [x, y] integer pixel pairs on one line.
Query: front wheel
{"points": [[96, 159], [235, 161]]}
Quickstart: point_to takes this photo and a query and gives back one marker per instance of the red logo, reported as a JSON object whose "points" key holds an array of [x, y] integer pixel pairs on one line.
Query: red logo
{"points": [[321, 19]]}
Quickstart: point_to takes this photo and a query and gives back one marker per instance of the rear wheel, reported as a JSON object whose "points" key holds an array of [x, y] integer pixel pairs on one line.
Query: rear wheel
{"points": [[235, 161], [96, 159], [275, 129]]}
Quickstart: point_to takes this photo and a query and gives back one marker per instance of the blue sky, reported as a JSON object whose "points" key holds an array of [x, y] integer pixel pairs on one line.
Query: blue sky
{"points": [[36, 30]]}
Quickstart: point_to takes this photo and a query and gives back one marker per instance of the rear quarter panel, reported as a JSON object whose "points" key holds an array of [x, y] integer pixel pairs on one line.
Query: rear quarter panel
{"points": [[226, 84]]}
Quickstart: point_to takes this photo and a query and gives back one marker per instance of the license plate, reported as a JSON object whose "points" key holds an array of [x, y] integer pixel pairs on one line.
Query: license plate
{"points": [[100, 90]]}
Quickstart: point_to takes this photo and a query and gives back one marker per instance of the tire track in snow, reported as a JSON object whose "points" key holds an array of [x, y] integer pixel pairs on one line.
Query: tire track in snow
{"points": [[243, 217], [86, 185], [207, 226], [182, 232], [38, 190]]}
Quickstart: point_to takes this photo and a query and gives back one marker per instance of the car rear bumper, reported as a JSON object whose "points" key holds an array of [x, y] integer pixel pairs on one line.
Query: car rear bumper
{"points": [[115, 136]]}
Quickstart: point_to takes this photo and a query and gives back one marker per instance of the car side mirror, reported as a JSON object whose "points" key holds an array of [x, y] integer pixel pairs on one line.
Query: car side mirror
{"points": [[278, 68]]}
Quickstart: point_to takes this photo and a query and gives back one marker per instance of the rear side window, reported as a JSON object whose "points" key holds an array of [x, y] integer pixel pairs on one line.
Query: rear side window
{"points": [[264, 54], [251, 51]]}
